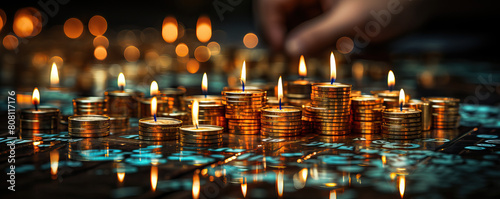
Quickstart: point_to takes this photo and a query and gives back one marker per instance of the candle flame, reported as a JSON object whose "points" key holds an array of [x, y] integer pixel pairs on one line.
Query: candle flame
{"points": [[333, 68], [391, 80], [54, 75], [35, 98], [203, 29], [204, 83], [54, 163], [302, 67], [196, 185], [154, 104], [121, 81], [333, 194], [244, 187], [120, 176], [243, 74], [195, 112], [279, 183], [402, 98], [153, 90], [154, 177], [280, 91], [402, 184]]}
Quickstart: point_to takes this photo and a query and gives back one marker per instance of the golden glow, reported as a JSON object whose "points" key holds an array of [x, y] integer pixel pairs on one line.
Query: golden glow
{"points": [[121, 80], [302, 67], [194, 112], [101, 41], [303, 175], [214, 47], [280, 90], [182, 50], [244, 73], [279, 183], [244, 187], [10, 42], [192, 66], [54, 163], [333, 194], [331, 184], [3, 19], [35, 98], [250, 40], [204, 83], [196, 185], [333, 67], [27, 22], [73, 28], [402, 184], [202, 53], [120, 176], [56, 59], [357, 70], [153, 89], [154, 177], [402, 97], [97, 25], [154, 104], [23, 26], [169, 30], [393, 176], [54, 75], [100, 53], [384, 160], [391, 80], [204, 29], [131, 53]]}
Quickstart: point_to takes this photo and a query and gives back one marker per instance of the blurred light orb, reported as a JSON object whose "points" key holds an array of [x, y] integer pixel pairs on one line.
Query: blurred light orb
{"points": [[23, 26], [192, 66], [3, 19], [97, 25], [345, 45], [202, 53], [182, 50], [101, 41], [131, 53], [10, 42], [39, 59], [56, 59], [169, 30], [27, 22], [250, 40], [100, 53], [73, 28], [204, 29], [214, 47]]}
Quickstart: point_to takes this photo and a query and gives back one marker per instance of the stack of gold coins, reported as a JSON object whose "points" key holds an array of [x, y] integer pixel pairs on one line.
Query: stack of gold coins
{"points": [[425, 107], [367, 114], [243, 110], [89, 106], [174, 97], [144, 108], [202, 99], [284, 122], [211, 114], [391, 98], [355, 93], [41, 119], [298, 92], [307, 120], [274, 102], [88, 125], [401, 124], [122, 102], [118, 123], [182, 116], [330, 108], [203, 136], [445, 112], [161, 129]]}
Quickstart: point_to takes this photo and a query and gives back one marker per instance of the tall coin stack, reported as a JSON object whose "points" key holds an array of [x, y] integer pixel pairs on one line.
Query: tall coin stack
{"points": [[203, 136], [367, 114], [401, 125], [88, 126], [211, 114], [41, 119], [445, 112], [330, 108], [284, 122], [243, 111], [122, 102], [174, 97], [89, 106], [161, 129]]}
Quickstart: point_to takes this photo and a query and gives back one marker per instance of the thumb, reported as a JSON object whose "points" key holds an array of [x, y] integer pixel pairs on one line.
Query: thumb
{"points": [[324, 30]]}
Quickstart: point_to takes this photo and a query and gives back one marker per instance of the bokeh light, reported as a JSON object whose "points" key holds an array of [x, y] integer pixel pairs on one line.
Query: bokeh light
{"points": [[214, 47], [101, 41], [27, 22], [73, 28], [202, 53], [100, 53], [97, 25], [39, 59], [58, 60], [345, 45], [192, 66], [131, 53], [182, 50], [250, 40], [10, 42], [204, 29], [169, 30], [3, 19]]}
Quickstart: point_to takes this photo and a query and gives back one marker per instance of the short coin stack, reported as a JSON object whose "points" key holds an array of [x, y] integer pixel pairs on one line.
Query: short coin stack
{"points": [[118, 123], [161, 129], [367, 114], [330, 108], [174, 98], [203, 136], [243, 111], [88, 126], [401, 125], [391, 98], [89, 106], [284, 122], [445, 112], [211, 114], [41, 119], [180, 115]]}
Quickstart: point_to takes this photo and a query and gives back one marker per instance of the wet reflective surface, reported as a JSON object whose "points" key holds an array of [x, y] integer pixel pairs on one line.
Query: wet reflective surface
{"points": [[461, 163]]}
